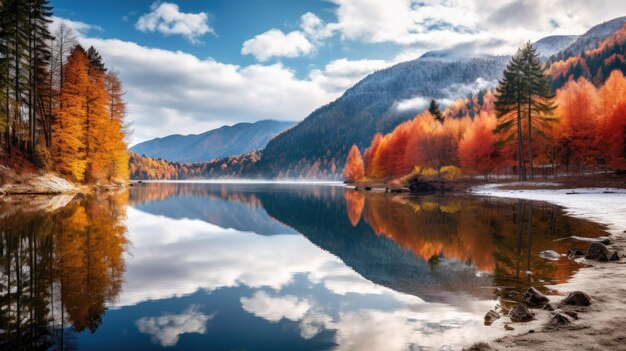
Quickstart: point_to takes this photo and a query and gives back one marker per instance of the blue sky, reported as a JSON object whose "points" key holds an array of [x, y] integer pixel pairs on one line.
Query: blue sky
{"points": [[192, 65]]}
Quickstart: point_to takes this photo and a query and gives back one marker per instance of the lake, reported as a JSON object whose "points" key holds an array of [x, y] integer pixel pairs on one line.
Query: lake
{"points": [[197, 266]]}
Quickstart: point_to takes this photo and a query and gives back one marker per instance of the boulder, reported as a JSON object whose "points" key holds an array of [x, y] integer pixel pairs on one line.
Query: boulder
{"points": [[577, 298], [548, 307], [491, 316], [598, 251], [560, 319], [520, 313], [550, 255], [534, 298], [368, 188]]}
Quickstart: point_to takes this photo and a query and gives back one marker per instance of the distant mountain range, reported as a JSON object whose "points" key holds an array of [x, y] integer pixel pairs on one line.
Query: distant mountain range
{"points": [[221, 142]]}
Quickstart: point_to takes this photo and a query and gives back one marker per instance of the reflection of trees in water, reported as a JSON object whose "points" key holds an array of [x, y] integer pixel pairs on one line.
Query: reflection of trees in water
{"points": [[503, 237], [59, 269]]}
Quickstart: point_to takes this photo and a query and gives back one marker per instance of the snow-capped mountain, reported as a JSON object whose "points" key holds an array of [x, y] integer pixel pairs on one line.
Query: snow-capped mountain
{"points": [[378, 103], [553, 44], [593, 37]]}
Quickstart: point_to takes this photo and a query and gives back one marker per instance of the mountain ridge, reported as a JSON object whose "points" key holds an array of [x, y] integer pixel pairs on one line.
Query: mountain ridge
{"points": [[220, 142]]}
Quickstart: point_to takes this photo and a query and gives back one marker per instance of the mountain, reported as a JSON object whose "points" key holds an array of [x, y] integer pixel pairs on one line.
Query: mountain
{"points": [[553, 44], [221, 142], [592, 37], [317, 146]]}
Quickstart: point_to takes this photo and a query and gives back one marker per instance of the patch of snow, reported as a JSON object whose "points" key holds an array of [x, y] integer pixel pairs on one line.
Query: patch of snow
{"points": [[601, 205]]}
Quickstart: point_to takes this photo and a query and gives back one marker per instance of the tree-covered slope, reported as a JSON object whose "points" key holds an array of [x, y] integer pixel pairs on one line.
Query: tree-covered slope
{"points": [[378, 103]]}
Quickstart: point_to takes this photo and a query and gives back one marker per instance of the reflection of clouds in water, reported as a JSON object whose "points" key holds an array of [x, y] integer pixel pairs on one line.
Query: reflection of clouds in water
{"points": [[177, 257], [410, 323], [273, 308], [167, 329]]}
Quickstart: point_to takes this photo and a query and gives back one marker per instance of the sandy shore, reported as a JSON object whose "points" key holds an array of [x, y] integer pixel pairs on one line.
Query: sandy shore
{"points": [[601, 326]]}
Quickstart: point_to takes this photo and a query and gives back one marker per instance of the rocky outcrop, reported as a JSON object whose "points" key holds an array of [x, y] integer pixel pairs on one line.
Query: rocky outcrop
{"points": [[491, 316], [577, 298], [598, 251], [33, 183], [534, 298], [521, 313]]}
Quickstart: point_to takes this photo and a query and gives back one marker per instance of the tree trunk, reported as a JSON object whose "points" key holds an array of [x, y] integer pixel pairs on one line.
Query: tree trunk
{"points": [[520, 147], [530, 140]]}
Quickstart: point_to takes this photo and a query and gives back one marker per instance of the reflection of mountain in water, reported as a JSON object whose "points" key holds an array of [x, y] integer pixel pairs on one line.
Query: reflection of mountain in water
{"points": [[324, 220], [430, 246], [219, 204]]}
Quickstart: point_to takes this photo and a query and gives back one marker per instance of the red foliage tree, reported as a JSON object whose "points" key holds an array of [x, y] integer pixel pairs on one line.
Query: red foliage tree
{"points": [[355, 168]]}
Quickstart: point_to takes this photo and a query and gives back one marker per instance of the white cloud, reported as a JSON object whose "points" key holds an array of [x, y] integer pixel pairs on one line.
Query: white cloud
{"points": [[170, 92], [276, 43], [167, 329], [412, 104], [461, 90], [490, 28], [314, 27], [174, 92], [166, 18], [341, 74]]}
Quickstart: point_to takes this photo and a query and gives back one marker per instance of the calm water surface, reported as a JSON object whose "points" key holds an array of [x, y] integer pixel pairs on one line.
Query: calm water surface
{"points": [[269, 267]]}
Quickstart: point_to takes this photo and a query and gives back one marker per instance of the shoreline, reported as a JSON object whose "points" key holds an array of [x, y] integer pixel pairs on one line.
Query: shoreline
{"points": [[600, 326], [14, 183]]}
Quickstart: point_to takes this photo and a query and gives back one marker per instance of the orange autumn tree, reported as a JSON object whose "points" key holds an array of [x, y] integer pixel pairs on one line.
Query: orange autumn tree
{"points": [[355, 168], [610, 97], [118, 162], [617, 139], [68, 147], [477, 151], [577, 112], [88, 135]]}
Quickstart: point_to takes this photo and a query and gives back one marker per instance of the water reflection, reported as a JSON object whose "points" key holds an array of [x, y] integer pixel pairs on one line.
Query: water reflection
{"points": [[208, 265], [59, 267]]}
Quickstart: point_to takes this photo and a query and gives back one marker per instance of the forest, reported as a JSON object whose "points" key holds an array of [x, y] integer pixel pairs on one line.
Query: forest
{"points": [[555, 119], [61, 108]]}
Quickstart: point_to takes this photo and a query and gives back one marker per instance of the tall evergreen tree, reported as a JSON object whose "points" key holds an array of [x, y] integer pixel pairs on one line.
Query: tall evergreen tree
{"points": [[510, 98], [40, 13], [539, 99], [95, 59]]}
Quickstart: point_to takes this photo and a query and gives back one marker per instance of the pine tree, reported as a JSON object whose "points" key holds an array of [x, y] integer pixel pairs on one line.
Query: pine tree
{"points": [[510, 95], [95, 59], [539, 99]]}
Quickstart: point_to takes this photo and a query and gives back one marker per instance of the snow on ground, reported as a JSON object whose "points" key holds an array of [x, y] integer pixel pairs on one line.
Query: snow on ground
{"points": [[601, 205], [600, 326]]}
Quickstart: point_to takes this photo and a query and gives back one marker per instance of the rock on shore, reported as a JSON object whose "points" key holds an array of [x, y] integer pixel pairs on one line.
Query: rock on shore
{"points": [[33, 183]]}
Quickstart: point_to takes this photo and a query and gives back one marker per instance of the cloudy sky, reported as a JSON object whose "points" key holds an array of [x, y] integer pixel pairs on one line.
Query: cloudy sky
{"points": [[193, 65]]}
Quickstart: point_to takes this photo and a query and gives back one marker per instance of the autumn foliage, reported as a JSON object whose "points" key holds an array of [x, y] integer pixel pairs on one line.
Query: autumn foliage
{"points": [[88, 138], [589, 132], [355, 168]]}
